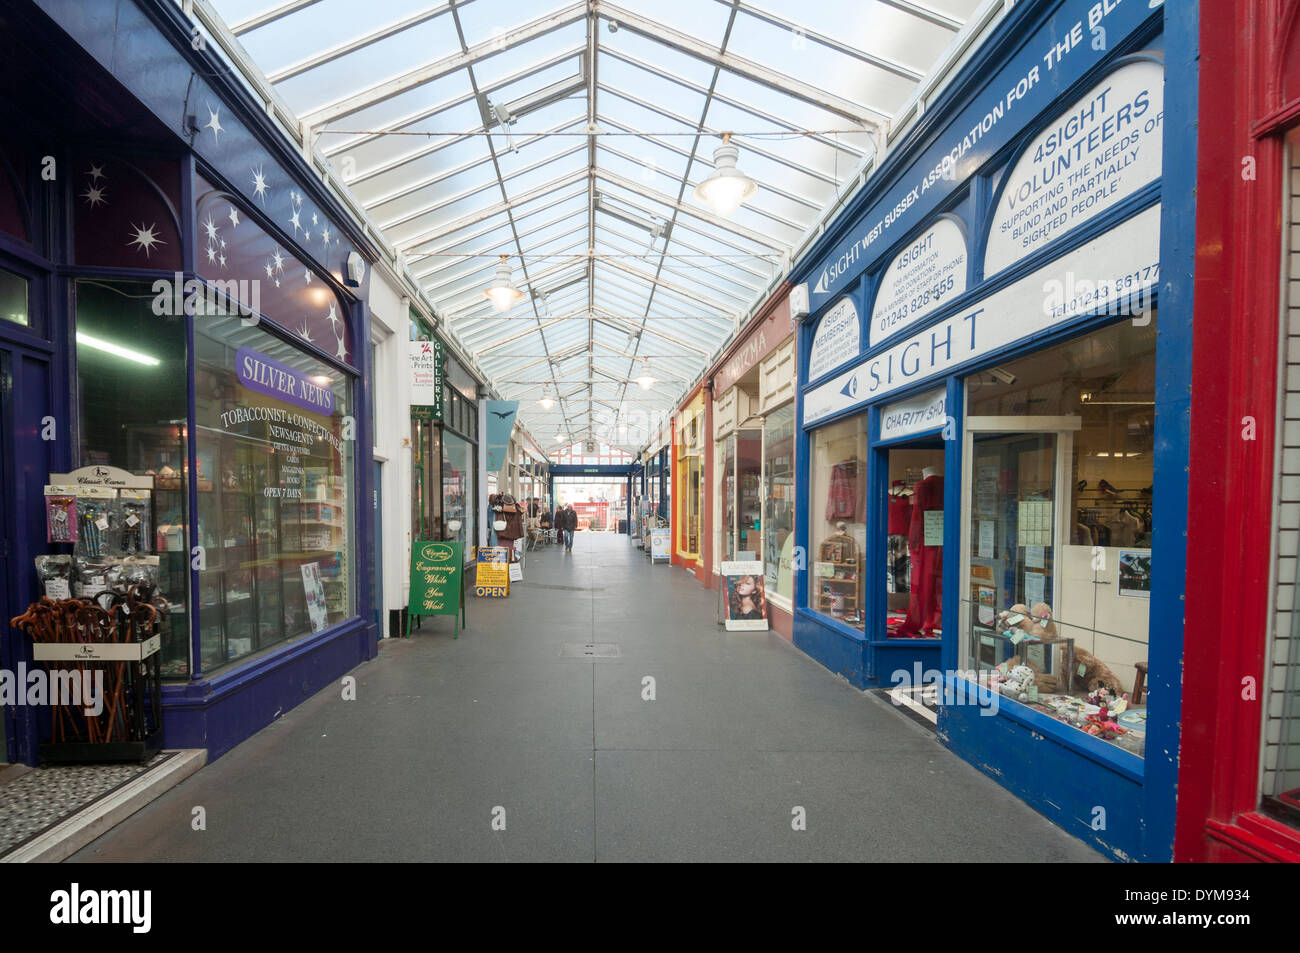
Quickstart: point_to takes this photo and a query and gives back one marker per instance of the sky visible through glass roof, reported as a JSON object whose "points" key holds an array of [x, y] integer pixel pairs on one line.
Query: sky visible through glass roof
{"points": [[570, 137]]}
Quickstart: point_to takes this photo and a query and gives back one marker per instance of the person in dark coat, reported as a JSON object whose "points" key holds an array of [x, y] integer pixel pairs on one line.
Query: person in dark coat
{"points": [[570, 524]]}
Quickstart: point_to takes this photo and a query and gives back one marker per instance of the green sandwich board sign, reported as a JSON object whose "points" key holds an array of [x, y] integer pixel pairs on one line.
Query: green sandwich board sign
{"points": [[437, 581]]}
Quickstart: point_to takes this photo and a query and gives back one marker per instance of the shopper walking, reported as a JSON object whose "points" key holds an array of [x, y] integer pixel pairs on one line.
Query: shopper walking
{"points": [[570, 524]]}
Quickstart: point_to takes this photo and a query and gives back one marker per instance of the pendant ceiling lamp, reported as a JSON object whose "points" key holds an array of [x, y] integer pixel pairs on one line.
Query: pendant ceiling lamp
{"points": [[547, 402], [646, 381], [502, 292], [727, 188]]}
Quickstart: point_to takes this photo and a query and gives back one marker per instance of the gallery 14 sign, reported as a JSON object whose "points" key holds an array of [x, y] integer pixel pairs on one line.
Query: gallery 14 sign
{"points": [[436, 569]]}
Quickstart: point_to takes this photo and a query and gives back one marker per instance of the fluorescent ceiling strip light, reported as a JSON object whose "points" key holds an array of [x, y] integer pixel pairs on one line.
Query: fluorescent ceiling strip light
{"points": [[108, 347]]}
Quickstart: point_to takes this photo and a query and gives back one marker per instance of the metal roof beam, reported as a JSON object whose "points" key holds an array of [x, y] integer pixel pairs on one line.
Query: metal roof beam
{"points": [[412, 79], [270, 16], [748, 69], [880, 62], [361, 42]]}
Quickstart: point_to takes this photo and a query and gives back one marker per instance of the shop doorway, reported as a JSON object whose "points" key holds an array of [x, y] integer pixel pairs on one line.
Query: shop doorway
{"points": [[914, 520]]}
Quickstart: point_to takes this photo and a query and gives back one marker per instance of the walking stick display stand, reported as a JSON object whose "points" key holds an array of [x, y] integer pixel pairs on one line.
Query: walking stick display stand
{"points": [[104, 678]]}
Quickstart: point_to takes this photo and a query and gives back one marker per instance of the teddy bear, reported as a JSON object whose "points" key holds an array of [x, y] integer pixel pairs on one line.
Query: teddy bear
{"points": [[1096, 674]]}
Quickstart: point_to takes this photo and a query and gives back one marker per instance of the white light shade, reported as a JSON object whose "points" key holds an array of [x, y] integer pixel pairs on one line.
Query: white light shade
{"points": [[559, 438], [646, 381], [727, 187], [502, 292], [547, 402]]}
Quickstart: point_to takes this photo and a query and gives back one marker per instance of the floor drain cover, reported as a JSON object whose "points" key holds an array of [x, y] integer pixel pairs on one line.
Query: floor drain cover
{"points": [[592, 650]]}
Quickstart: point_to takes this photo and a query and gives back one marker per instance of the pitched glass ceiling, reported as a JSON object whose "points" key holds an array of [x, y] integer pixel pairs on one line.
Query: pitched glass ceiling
{"points": [[570, 136]]}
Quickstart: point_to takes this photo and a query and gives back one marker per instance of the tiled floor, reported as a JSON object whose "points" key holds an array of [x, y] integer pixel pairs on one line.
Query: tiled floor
{"points": [[43, 797], [513, 743]]}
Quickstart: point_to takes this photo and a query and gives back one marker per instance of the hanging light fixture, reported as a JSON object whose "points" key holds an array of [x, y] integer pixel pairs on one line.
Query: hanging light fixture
{"points": [[502, 292], [727, 187], [547, 402], [646, 381]]}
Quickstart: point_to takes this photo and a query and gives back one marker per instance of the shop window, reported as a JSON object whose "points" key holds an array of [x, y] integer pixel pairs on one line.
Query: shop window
{"points": [[914, 541], [275, 489], [131, 373], [838, 520], [125, 214], [778, 501], [725, 454], [13, 298], [1057, 538], [458, 502]]}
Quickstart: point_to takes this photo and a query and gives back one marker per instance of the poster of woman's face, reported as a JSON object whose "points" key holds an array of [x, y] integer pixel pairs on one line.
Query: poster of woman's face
{"points": [[746, 599]]}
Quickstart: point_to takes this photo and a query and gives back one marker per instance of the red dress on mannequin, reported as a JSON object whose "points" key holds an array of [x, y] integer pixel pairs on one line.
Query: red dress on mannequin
{"points": [[925, 608]]}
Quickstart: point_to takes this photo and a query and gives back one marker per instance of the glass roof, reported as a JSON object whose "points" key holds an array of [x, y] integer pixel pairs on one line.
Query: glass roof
{"points": [[570, 137]]}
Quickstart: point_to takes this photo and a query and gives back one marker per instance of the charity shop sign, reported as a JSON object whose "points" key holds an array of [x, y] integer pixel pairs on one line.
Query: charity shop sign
{"points": [[837, 339], [1073, 40], [1097, 153], [1103, 276], [930, 271]]}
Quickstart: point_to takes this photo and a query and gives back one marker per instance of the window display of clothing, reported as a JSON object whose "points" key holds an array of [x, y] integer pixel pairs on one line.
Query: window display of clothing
{"points": [[846, 499], [897, 561], [925, 608]]}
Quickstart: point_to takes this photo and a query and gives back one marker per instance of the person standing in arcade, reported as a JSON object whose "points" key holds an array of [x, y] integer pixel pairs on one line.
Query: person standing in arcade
{"points": [[925, 605]]}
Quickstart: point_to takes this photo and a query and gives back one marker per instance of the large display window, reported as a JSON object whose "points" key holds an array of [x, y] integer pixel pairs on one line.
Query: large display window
{"points": [[275, 488], [132, 416], [1057, 518], [837, 519], [690, 476]]}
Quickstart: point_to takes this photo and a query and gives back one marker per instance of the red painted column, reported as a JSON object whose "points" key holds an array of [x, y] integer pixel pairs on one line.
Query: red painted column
{"points": [[1234, 389]]}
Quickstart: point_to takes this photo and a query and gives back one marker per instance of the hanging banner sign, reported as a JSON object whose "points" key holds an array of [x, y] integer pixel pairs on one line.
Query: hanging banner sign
{"points": [[838, 335], [500, 422], [1062, 51], [917, 415], [929, 272], [492, 573], [1113, 274], [426, 376], [1100, 151]]}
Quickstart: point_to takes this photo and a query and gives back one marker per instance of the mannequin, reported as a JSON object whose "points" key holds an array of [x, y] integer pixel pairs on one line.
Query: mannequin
{"points": [[896, 556], [924, 611]]}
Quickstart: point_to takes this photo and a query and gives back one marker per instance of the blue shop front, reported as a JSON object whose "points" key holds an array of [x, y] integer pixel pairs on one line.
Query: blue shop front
{"points": [[184, 351], [993, 396]]}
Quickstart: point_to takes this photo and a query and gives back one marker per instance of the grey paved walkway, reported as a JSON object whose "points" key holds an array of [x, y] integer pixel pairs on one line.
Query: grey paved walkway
{"points": [[744, 728]]}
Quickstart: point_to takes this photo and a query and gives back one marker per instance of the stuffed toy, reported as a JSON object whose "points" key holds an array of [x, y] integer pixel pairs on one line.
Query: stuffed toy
{"points": [[1095, 673], [1018, 681], [1035, 623]]}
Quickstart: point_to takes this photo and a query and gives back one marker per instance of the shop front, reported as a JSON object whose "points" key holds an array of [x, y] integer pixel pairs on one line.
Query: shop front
{"points": [[753, 441], [692, 453], [185, 370], [991, 444]]}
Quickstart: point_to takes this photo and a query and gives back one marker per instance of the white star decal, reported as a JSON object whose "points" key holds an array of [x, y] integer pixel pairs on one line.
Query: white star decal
{"points": [[223, 244], [234, 217], [313, 218], [260, 189], [305, 334], [210, 228], [307, 274], [332, 317], [214, 123], [293, 220], [277, 282], [306, 236], [278, 260], [268, 269], [94, 196], [145, 238], [342, 352], [327, 235], [222, 259], [212, 254], [96, 172]]}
